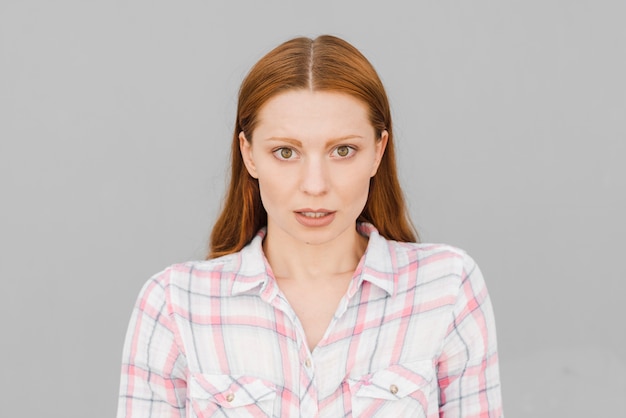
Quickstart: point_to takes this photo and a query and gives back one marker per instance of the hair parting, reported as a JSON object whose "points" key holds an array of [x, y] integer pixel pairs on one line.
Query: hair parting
{"points": [[326, 63]]}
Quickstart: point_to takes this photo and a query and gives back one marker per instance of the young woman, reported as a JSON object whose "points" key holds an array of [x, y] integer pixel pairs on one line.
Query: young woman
{"points": [[315, 299]]}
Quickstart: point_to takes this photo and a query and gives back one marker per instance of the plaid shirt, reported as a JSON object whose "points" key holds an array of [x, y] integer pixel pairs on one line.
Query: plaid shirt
{"points": [[413, 336]]}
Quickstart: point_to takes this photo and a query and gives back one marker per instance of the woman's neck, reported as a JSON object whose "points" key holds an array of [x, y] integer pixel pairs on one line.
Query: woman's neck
{"points": [[293, 259]]}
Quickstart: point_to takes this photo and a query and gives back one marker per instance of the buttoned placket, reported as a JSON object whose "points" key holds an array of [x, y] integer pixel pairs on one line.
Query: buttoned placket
{"points": [[308, 390], [309, 407]]}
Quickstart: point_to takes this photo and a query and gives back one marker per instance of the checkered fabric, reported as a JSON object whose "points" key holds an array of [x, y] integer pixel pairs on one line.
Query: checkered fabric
{"points": [[414, 336]]}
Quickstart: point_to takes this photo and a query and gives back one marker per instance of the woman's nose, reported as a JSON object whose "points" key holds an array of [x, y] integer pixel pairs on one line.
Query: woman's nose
{"points": [[314, 180]]}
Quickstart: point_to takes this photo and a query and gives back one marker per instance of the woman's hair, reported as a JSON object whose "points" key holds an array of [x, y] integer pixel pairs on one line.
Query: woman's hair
{"points": [[325, 63]]}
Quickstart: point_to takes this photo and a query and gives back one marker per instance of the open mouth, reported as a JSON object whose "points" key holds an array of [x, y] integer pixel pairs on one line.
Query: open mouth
{"points": [[315, 218], [314, 214]]}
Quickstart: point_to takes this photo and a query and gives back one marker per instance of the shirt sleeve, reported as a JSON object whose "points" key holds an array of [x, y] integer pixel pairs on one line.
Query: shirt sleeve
{"points": [[153, 382], [468, 374]]}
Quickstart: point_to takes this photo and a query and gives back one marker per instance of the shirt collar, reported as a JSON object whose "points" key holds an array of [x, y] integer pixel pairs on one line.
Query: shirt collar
{"points": [[253, 270], [376, 266]]}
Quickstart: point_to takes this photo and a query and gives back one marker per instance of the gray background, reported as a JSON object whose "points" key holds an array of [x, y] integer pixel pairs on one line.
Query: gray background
{"points": [[115, 120]]}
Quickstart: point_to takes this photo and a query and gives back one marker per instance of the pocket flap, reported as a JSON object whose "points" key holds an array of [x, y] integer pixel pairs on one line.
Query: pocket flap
{"points": [[230, 391], [394, 382]]}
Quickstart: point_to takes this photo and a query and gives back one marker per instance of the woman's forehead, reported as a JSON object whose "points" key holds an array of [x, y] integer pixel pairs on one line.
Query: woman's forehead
{"points": [[319, 113]]}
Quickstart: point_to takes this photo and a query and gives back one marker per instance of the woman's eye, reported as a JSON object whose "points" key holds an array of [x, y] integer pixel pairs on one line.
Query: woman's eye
{"points": [[284, 153], [344, 151]]}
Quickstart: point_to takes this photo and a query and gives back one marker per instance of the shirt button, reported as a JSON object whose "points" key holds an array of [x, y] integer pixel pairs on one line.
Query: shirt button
{"points": [[393, 389], [307, 363], [230, 397]]}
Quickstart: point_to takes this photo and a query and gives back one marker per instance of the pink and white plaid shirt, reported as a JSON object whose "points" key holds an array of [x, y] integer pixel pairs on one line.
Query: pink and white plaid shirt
{"points": [[414, 336]]}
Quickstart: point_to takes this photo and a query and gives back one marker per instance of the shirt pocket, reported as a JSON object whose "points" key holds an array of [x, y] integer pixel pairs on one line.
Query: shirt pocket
{"points": [[233, 396], [398, 390]]}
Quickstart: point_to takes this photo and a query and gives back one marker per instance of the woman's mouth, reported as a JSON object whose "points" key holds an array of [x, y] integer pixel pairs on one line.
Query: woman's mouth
{"points": [[314, 214], [315, 218]]}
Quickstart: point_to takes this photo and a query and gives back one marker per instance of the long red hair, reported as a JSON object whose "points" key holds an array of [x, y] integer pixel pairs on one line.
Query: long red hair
{"points": [[325, 63]]}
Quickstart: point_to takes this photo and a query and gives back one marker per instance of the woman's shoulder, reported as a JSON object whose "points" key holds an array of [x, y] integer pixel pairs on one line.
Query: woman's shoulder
{"points": [[424, 258], [430, 252], [432, 260], [441, 272], [191, 276], [426, 249]]}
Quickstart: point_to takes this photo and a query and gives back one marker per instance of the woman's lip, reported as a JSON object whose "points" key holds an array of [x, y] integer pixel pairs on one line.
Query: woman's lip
{"points": [[312, 211], [315, 218]]}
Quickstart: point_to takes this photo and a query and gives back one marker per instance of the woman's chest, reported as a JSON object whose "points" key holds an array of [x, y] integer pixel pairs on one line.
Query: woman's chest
{"points": [[377, 354]]}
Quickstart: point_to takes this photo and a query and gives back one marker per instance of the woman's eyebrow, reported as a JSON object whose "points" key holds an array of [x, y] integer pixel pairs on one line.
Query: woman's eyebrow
{"points": [[284, 139], [298, 143], [335, 141]]}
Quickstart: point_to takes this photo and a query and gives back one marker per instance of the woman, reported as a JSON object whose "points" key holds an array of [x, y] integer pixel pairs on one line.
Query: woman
{"points": [[315, 299]]}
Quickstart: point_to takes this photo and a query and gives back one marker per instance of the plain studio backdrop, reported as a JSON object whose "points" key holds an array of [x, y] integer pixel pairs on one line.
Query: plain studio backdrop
{"points": [[115, 124]]}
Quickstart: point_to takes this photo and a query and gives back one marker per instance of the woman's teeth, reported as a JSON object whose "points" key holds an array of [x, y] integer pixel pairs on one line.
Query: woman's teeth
{"points": [[314, 214]]}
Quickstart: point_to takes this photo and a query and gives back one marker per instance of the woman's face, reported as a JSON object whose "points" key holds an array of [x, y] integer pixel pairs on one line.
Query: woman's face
{"points": [[313, 154]]}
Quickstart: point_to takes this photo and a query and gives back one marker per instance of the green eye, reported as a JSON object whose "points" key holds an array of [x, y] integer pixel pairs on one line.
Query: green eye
{"points": [[286, 153], [343, 151]]}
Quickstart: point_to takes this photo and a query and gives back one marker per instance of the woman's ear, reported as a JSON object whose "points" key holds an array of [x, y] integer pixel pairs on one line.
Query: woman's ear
{"points": [[246, 153], [381, 144]]}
